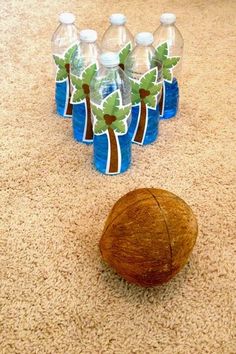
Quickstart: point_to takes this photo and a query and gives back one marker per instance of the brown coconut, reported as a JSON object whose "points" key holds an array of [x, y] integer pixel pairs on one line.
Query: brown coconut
{"points": [[148, 236]]}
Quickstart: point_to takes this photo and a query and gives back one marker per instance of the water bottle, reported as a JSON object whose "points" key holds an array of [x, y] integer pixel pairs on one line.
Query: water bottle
{"points": [[145, 75], [118, 38], [83, 67], [111, 108], [169, 44], [63, 47]]}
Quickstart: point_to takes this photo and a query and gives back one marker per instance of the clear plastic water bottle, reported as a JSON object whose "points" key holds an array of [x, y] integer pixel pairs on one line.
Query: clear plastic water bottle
{"points": [[169, 44], [118, 38], [145, 75], [83, 67], [111, 108], [63, 47]]}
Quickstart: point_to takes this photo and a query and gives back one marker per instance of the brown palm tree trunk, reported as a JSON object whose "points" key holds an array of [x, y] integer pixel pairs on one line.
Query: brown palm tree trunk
{"points": [[68, 104], [162, 100], [113, 163], [142, 123], [89, 128]]}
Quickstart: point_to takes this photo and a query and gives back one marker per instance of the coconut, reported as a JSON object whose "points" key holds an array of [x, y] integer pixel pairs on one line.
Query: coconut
{"points": [[148, 236]]}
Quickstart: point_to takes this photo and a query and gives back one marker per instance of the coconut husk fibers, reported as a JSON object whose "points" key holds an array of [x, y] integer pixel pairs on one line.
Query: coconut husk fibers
{"points": [[148, 236]]}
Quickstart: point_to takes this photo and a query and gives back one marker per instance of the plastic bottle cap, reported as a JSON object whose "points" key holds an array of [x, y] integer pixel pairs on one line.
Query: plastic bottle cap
{"points": [[109, 59], [144, 38], [168, 18], [88, 36], [67, 18], [117, 19]]}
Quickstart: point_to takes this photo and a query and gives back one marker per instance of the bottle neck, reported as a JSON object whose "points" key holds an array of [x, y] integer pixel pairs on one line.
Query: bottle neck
{"points": [[64, 36], [167, 24], [88, 44], [110, 70], [118, 26], [89, 51], [144, 46], [111, 67]]}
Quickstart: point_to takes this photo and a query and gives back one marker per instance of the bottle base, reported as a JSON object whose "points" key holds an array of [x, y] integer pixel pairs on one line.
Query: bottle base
{"points": [[61, 115], [102, 171], [147, 141], [169, 115], [61, 99], [79, 140]]}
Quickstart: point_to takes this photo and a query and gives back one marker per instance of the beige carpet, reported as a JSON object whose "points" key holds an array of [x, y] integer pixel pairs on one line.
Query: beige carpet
{"points": [[56, 295]]}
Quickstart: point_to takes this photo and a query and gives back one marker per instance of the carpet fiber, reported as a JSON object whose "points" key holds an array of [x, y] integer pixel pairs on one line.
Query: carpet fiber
{"points": [[56, 294]]}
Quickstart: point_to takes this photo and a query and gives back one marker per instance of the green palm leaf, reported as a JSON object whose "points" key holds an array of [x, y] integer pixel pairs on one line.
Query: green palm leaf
{"points": [[100, 127], [148, 79], [111, 103], [161, 52], [88, 73], [125, 52], [97, 112], [61, 75], [59, 61], [123, 113], [77, 96], [134, 86], [119, 127], [76, 82], [69, 54], [167, 74], [135, 98], [170, 62], [151, 101], [155, 89]]}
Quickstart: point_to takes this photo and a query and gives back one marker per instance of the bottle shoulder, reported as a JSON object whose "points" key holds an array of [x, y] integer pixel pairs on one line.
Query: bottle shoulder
{"points": [[64, 37], [86, 55], [167, 32], [89, 51], [109, 80], [171, 35], [116, 37], [139, 61], [104, 75]]}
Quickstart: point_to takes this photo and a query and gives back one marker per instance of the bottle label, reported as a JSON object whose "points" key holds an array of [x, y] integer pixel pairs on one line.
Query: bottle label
{"points": [[145, 94], [110, 118], [81, 95], [62, 63], [169, 63], [123, 54]]}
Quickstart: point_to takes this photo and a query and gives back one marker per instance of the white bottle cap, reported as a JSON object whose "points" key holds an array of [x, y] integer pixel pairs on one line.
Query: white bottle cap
{"points": [[67, 18], [168, 18], [88, 36], [109, 59], [144, 38], [117, 19]]}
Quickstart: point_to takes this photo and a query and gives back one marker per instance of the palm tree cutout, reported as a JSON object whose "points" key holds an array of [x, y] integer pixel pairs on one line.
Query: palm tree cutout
{"points": [[123, 54], [144, 93], [81, 92], [63, 64], [111, 118], [162, 55]]}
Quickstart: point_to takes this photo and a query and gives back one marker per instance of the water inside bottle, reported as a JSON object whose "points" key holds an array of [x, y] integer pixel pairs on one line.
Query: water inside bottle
{"points": [[101, 143], [171, 99], [60, 97], [152, 124], [79, 123]]}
